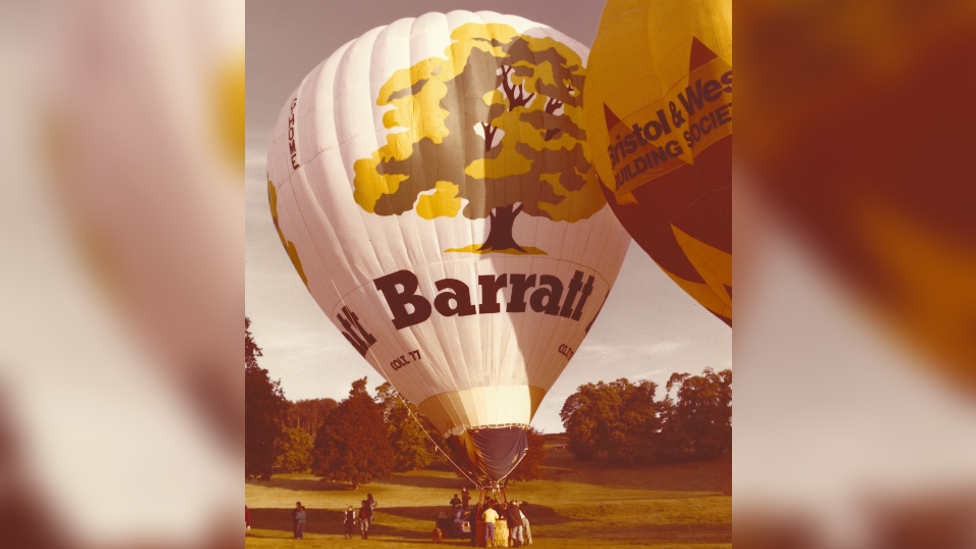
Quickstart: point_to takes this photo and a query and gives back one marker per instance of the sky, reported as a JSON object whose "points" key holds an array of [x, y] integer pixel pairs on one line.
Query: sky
{"points": [[648, 329]]}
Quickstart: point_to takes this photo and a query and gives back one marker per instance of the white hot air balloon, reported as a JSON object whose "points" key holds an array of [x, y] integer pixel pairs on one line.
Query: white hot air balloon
{"points": [[431, 183]]}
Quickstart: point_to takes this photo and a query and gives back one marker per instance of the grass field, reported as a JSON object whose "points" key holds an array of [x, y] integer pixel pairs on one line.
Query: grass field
{"points": [[576, 505]]}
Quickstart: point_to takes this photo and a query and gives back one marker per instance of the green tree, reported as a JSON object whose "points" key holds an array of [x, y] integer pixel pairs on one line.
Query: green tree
{"points": [[411, 448], [530, 468], [310, 414], [296, 451], [352, 445], [587, 415], [264, 412], [699, 421], [618, 421], [638, 422]]}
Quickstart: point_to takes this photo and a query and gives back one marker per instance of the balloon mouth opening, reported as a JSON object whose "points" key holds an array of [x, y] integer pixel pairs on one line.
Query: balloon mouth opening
{"points": [[488, 454]]}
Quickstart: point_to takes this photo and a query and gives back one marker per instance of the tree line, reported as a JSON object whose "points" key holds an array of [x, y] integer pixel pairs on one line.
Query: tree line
{"points": [[355, 440], [365, 437], [621, 422]]}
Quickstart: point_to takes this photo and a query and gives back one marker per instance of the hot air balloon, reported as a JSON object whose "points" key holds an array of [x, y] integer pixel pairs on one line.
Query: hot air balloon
{"points": [[659, 124], [431, 183]]}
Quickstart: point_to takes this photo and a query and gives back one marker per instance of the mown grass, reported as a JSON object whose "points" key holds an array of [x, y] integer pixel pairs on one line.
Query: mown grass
{"points": [[576, 505]]}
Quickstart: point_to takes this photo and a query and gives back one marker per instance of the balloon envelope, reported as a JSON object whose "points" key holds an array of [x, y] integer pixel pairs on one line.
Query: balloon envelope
{"points": [[659, 123], [431, 183]]}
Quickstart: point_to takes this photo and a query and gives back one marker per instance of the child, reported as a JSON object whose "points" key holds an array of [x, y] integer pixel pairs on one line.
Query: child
{"points": [[349, 521]]}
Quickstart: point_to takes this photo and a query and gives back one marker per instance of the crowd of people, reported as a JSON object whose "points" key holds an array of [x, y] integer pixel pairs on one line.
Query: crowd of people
{"points": [[350, 519], [490, 512]]}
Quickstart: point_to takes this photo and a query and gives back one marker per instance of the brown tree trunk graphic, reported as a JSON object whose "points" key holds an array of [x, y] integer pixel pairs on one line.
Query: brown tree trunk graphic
{"points": [[500, 233], [516, 94], [552, 105], [489, 132]]}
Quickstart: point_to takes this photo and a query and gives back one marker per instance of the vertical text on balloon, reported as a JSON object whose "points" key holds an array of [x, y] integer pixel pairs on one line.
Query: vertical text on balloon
{"points": [[292, 148]]}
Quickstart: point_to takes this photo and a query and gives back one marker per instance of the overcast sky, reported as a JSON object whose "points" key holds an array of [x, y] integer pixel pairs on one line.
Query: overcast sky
{"points": [[648, 328]]}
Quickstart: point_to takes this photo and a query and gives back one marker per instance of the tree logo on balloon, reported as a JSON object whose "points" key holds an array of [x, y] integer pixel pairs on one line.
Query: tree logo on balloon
{"points": [[492, 131]]}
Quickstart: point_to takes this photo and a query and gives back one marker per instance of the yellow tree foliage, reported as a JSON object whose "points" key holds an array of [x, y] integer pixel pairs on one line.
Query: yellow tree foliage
{"points": [[490, 131]]}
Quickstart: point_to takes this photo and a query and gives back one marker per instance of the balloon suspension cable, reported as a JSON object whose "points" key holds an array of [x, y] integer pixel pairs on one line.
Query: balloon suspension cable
{"points": [[432, 441], [407, 406], [503, 482], [504, 478]]}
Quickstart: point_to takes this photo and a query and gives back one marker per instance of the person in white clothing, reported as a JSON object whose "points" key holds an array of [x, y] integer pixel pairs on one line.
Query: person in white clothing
{"points": [[526, 532]]}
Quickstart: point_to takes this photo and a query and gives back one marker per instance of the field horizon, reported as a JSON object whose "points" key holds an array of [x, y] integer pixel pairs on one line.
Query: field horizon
{"points": [[576, 504]]}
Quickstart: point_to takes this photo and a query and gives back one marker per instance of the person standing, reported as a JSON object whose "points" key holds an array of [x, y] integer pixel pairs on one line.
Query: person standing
{"points": [[490, 516], [294, 519], [371, 501], [465, 497], [526, 531], [457, 510], [514, 519], [300, 523], [473, 523], [365, 517], [349, 521]]}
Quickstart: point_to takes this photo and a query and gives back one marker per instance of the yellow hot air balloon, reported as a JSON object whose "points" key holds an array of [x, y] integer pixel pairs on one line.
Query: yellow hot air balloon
{"points": [[658, 118], [431, 183]]}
